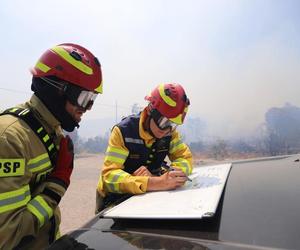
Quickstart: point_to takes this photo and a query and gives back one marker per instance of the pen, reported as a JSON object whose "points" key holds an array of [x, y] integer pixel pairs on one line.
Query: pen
{"points": [[169, 168], [188, 179]]}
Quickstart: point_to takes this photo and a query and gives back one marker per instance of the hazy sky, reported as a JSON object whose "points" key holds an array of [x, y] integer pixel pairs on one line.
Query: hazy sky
{"points": [[235, 59]]}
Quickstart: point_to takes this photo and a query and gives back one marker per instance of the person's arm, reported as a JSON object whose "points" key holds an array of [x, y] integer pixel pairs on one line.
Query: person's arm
{"points": [[22, 213], [113, 178], [180, 154], [142, 171]]}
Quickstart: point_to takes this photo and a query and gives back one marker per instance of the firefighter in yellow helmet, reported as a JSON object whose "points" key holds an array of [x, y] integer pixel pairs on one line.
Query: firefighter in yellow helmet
{"points": [[135, 157], [36, 159]]}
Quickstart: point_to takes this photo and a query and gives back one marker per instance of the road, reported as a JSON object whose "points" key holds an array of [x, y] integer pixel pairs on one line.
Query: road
{"points": [[77, 205]]}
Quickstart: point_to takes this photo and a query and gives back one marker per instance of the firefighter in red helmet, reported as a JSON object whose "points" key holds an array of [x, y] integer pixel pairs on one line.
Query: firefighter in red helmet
{"points": [[36, 159], [135, 157]]}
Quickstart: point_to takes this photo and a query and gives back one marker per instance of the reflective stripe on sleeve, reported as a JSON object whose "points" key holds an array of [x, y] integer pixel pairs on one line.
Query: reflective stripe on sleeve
{"points": [[175, 145], [40, 208], [14, 199], [39, 163], [113, 180], [116, 155], [183, 164]]}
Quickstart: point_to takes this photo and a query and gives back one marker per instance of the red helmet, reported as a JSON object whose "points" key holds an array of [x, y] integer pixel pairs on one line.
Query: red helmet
{"points": [[170, 101], [71, 63]]}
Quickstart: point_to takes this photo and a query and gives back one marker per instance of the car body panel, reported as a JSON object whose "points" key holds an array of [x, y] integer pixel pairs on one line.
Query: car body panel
{"points": [[259, 209]]}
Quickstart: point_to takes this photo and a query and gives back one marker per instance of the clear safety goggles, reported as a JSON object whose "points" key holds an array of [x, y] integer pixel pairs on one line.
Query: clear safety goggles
{"points": [[161, 121], [76, 95], [86, 99], [164, 123], [80, 97]]}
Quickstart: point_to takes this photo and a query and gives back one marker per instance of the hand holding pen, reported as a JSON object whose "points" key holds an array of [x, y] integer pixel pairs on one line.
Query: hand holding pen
{"points": [[170, 179], [170, 168]]}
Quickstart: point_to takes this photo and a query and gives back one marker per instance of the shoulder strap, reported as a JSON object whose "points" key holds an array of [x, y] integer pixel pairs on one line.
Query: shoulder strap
{"points": [[28, 116]]}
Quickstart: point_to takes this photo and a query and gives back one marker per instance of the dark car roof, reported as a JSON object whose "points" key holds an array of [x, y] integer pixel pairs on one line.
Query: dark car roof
{"points": [[258, 210]]}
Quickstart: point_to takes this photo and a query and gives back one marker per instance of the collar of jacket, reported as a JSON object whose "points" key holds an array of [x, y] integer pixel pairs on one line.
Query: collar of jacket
{"points": [[45, 116], [146, 136]]}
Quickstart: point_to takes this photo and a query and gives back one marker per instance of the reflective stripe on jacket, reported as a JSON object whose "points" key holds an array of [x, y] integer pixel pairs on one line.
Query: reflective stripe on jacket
{"points": [[114, 177], [139, 153], [26, 213]]}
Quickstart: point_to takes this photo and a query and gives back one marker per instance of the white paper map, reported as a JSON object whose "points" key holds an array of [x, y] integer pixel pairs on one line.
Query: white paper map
{"points": [[195, 199]]}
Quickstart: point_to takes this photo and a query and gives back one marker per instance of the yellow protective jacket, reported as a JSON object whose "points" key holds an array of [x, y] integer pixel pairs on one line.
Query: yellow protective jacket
{"points": [[114, 179], [28, 218]]}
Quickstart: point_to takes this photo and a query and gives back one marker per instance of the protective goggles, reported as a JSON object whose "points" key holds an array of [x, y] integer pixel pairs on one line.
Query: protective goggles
{"points": [[76, 95], [80, 97], [161, 121]]}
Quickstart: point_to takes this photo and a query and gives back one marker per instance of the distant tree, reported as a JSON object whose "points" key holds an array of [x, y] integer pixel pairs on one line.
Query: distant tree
{"points": [[274, 143], [241, 146], [193, 129], [282, 133], [219, 150], [97, 144], [77, 142], [197, 147]]}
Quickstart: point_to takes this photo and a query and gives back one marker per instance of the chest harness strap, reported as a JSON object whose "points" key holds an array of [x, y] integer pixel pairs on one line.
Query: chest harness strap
{"points": [[27, 116]]}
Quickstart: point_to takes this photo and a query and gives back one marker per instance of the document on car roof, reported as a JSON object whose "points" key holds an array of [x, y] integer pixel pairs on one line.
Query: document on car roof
{"points": [[196, 199]]}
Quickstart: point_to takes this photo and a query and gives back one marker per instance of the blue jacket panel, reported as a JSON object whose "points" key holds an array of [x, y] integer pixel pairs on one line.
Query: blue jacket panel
{"points": [[139, 154]]}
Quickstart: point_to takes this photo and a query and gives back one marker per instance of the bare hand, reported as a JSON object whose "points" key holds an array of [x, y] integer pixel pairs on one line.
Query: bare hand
{"points": [[173, 179], [142, 171], [168, 181]]}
